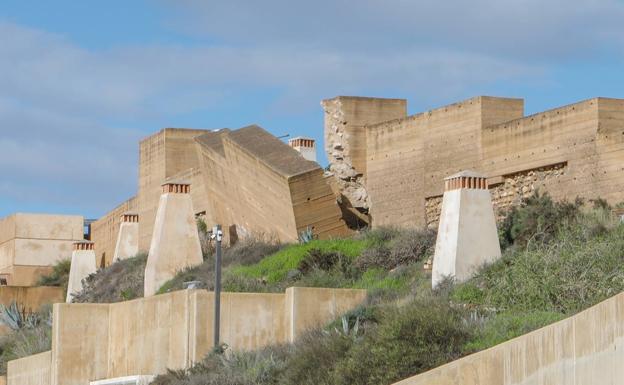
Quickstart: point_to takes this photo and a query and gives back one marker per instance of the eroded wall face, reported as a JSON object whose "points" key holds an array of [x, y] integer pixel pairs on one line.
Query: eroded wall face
{"points": [[245, 192], [346, 141]]}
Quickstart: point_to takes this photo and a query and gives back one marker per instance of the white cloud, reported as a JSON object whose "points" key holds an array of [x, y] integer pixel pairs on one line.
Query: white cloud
{"points": [[57, 99]]}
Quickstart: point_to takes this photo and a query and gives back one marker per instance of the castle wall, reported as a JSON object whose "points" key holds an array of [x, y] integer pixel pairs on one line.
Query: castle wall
{"points": [[104, 231], [246, 193], [249, 191], [174, 330], [346, 118], [409, 158], [161, 156], [583, 349], [575, 150]]}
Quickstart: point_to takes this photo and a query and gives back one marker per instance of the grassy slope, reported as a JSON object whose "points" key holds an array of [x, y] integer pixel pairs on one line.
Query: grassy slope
{"points": [[559, 258]]}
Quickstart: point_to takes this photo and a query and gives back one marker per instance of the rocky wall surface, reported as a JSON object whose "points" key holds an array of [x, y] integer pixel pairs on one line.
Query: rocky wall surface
{"points": [[510, 191], [338, 143]]}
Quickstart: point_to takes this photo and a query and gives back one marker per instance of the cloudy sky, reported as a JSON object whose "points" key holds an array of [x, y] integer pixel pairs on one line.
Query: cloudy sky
{"points": [[82, 81]]}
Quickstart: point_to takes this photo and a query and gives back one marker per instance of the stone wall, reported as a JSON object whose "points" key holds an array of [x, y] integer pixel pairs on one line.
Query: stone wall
{"points": [[345, 140], [407, 159], [507, 190], [583, 349], [174, 330]]}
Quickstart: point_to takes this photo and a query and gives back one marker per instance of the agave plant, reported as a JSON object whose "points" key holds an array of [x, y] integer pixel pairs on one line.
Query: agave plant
{"points": [[12, 317], [306, 235]]}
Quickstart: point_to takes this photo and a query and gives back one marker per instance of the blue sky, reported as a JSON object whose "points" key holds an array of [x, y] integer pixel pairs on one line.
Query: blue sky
{"points": [[82, 81]]}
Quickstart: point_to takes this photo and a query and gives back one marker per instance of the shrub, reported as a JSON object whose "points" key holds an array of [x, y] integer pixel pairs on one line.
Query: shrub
{"points": [[59, 275], [571, 273], [121, 281], [317, 259], [29, 339], [231, 368], [275, 268], [538, 219], [409, 339], [314, 358], [248, 251], [403, 248], [505, 326]]}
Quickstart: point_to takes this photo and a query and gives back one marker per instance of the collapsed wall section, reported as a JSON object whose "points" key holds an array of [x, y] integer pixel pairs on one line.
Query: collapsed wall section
{"points": [[260, 185], [346, 118]]}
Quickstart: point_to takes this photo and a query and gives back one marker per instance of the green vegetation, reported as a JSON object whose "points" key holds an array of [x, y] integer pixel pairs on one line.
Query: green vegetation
{"points": [[121, 281], [58, 277], [558, 259], [27, 334]]}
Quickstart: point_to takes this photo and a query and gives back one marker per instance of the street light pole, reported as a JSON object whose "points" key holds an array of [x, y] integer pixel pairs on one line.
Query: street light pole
{"points": [[218, 236]]}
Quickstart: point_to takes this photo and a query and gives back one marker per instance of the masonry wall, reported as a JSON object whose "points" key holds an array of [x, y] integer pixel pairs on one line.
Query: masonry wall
{"points": [[575, 150], [30, 244], [346, 118], [150, 335], [407, 159], [583, 349], [246, 193], [104, 231], [161, 156]]}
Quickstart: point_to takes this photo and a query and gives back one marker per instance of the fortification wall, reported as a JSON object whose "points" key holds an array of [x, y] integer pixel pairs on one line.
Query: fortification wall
{"points": [[575, 150], [346, 118], [174, 330], [161, 156], [30, 244], [583, 349], [104, 231], [407, 159]]}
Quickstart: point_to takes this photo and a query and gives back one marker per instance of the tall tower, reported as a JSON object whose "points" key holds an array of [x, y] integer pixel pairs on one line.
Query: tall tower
{"points": [[467, 235]]}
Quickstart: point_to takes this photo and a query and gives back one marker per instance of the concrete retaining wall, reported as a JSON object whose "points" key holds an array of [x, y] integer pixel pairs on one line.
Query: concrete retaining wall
{"points": [[587, 348], [33, 370], [172, 331]]}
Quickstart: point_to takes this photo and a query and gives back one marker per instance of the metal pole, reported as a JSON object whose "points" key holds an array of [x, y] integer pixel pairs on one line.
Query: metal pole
{"points": [[218, 234]]}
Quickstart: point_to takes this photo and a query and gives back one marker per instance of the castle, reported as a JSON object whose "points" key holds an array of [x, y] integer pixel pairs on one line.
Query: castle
{"points": [[385, 169]]}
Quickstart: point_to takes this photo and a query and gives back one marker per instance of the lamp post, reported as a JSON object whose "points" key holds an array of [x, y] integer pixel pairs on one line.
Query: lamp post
{"points": [[217, 235]]}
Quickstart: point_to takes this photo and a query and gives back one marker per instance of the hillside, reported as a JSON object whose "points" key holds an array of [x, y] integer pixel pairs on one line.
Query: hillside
{"points": [[558, 259]]}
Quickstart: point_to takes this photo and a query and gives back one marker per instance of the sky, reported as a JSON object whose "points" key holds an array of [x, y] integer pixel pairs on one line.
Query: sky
{"points": [[81, 82]]}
